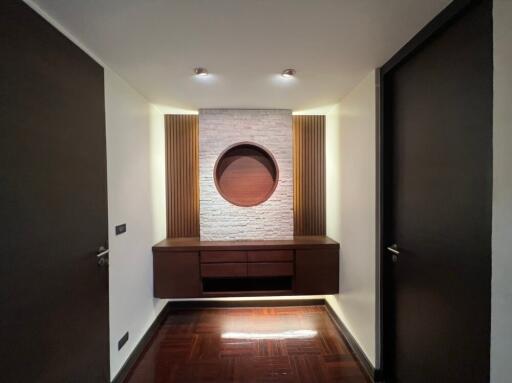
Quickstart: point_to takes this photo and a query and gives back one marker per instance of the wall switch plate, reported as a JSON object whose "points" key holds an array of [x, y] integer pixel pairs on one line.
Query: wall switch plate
{"points": [[120, 229], [122, 341]]}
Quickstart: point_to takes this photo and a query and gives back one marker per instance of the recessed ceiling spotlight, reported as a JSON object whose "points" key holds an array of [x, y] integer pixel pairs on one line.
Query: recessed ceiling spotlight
{"points": [[201, 71], [288, 73]]}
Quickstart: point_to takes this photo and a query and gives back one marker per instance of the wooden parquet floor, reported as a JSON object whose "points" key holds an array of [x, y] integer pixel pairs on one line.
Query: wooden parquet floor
{"points": [[274, 345]]}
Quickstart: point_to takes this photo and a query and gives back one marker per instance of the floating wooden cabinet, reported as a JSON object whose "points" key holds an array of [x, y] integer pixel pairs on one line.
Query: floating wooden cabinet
{"points": [[176, 274], [316, 271], [188, 267]]}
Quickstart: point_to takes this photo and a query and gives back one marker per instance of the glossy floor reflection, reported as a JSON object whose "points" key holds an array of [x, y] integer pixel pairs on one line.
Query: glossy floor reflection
{"points": [[285, 344]]}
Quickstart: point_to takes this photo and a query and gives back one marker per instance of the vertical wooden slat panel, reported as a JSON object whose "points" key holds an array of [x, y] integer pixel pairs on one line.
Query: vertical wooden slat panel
{"points": [[309, 175], [182, 172], [323, 159], [196, 176]]}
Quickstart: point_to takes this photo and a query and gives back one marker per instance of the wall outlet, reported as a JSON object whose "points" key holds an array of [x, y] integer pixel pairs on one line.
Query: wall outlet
{"points": [[120, 229], [122, 341]]}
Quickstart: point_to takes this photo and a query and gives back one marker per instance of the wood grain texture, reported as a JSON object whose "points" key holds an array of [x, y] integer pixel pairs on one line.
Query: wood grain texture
{"points": [[182, 174], [309, 175], [246, 174], [310, 265], [317, 271], [195, 244], [270, 256], [224, 345], [223, 256], [223, 270], [270, 269], [177, 276]]}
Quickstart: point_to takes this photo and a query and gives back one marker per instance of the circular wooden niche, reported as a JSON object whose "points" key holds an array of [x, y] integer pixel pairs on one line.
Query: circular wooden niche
{"points": [[246, 174]]}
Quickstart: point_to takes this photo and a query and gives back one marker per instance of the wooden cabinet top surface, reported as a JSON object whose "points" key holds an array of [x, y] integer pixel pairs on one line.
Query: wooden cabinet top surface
{"points": [[195, 244]]}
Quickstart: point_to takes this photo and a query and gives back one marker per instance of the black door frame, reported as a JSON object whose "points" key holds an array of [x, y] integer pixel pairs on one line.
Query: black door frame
{"points": [[446, 17]]}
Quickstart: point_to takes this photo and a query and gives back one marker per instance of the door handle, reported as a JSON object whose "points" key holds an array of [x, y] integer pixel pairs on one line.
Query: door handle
{"points": [[102, 251], [393, 249], [100, 255]]}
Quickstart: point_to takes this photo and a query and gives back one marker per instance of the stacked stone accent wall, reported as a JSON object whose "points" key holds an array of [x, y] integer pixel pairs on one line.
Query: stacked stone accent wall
{"points": [[221, 220]]}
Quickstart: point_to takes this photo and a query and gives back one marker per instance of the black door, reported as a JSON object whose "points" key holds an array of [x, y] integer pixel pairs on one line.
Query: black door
{"points": [[438, 195], [53, 205]]}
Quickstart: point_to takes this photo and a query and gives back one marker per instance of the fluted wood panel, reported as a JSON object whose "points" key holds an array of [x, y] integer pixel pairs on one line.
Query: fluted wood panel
{"points": [[182, 167], [309, 175]]}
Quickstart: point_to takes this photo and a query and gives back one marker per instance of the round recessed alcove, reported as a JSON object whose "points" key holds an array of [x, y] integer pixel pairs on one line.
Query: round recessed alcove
{"points": [[246, 174]]}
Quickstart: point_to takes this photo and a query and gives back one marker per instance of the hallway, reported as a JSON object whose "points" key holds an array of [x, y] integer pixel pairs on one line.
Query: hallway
{"points": [[256, 191]]}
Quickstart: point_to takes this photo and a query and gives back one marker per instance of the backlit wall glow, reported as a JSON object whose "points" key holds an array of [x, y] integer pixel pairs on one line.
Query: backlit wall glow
{"points": [[350, 208]]}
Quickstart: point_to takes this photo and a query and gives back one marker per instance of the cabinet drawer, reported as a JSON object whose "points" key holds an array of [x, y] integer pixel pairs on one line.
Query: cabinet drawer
{"points": [[223, 270], [270, 269], [223, 256], [270, 256]]}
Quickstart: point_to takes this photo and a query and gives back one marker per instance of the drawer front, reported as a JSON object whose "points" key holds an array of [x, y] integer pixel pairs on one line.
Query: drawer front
{"points": [[270, 269], [270, 256], [223, 256], [223, 270]]}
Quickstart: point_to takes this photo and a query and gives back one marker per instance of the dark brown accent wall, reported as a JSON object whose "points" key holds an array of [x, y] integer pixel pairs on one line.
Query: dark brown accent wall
{"points": [[182, 175], [309, 175]]}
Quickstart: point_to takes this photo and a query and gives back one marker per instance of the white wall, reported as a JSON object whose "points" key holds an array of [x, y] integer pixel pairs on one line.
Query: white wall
{"points": [[501, 304], [350, 128], [136, 196], [351, 194]]}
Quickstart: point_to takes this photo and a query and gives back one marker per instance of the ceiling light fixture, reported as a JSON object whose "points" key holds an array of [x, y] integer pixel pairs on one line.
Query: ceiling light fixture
{"points": [[201, 71], [288, 73]]}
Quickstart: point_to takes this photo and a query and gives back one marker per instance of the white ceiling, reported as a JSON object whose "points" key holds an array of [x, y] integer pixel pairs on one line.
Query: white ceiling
{"points": [[155, 44]]}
